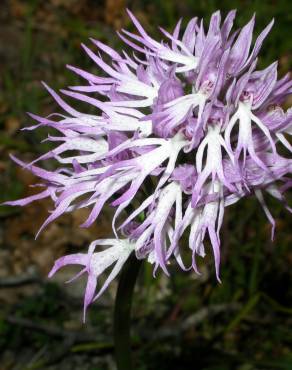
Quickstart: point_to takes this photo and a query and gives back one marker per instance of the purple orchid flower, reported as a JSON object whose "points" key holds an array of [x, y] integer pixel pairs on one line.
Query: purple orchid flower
{"points": [[183, 129], [95, 264]]}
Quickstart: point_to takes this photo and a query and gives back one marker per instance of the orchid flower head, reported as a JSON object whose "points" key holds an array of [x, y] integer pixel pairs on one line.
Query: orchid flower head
{"points": [[181, 129]]}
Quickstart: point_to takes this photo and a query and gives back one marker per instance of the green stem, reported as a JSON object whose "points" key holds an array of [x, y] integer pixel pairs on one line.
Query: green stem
{"points": [[122, 313]]}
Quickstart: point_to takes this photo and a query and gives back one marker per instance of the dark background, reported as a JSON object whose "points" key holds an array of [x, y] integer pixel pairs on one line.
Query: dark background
{"points": [[184, 322]]}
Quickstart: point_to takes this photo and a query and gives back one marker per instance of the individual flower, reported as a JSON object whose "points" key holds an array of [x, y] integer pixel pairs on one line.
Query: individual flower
{"points": [[95, 263], [181, 129]]}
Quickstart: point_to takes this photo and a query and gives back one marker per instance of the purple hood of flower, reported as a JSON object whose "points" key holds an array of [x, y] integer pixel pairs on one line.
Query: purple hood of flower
{"points": [[183, 128]]}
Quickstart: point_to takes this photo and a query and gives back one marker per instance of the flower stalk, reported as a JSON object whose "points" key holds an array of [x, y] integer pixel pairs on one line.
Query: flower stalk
{"points": [[122, 312]]}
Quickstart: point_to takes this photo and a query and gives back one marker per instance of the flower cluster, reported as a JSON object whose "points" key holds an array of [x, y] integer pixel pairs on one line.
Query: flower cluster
{"points": [[183, 128]]}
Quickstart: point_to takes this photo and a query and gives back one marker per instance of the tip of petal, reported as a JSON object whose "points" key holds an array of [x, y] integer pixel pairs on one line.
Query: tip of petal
{"points": [[84, 314], [57, 265], [129, 12], [84, 47], [69, 66], [270, 25], [46, 86]]}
